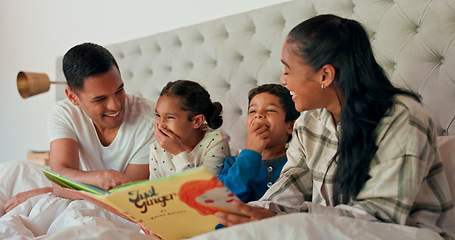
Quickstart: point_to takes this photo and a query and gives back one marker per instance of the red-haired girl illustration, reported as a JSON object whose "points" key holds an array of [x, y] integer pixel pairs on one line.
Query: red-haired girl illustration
{"points": [[207, 196]]}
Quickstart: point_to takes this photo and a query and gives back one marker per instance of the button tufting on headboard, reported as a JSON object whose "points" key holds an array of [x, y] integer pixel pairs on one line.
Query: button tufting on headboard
{"points": [[414, 41]]}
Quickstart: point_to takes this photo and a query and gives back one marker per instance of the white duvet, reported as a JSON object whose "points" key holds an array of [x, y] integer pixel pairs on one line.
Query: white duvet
{"points": [[43, 215], [49, 217]]}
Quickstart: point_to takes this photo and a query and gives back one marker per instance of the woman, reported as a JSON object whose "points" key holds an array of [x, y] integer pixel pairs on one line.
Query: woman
{"points": [[362, 148]]}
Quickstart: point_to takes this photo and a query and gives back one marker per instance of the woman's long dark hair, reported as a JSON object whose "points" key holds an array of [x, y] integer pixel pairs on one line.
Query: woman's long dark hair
{"points": [[365, 93]]}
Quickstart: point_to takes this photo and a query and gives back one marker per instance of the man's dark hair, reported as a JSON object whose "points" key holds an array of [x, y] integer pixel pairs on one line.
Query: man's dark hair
{"points": [[86, 60]]}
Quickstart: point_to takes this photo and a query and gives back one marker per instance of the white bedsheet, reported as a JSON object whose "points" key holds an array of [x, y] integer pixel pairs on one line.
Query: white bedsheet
{"points": [[305, 226], [49, 217], [19, 176], [43, 215], [285, 227]]}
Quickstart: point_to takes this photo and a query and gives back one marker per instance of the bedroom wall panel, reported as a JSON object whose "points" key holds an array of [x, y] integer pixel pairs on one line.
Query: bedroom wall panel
{"points": [[229, 56]]}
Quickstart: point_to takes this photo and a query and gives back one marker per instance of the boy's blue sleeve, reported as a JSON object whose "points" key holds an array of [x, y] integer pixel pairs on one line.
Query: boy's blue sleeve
{"points": [[239, 171]]}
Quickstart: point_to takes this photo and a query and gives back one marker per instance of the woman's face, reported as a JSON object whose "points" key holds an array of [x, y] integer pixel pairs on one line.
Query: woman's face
{"points": [[301, 80]]}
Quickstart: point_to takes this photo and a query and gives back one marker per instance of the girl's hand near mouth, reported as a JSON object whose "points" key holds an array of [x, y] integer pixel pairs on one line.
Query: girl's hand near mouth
{"points": [[168, 140]]}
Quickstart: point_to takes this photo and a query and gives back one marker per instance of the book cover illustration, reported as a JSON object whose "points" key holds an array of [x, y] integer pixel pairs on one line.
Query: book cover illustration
{"points": [[174, 207]]}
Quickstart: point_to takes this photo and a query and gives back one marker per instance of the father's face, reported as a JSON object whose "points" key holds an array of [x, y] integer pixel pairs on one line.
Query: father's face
{"points": [[102, 99]]}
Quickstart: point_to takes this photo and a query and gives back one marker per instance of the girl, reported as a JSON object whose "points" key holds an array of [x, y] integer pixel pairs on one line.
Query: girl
{"points": [[182, 139]]}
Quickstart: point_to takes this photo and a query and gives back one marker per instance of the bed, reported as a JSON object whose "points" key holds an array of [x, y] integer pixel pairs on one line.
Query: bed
{"points": [[413, 40]]}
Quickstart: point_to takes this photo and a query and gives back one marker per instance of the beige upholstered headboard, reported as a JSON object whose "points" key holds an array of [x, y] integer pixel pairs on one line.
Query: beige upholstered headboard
{"points": [[414, 40]]}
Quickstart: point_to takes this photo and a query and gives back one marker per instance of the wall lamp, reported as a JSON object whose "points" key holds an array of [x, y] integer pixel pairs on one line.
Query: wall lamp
{"points": [[29, 83]]}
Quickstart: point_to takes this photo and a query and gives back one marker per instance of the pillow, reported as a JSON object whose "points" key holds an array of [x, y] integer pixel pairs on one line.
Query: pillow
{"points": [[446, 146]]}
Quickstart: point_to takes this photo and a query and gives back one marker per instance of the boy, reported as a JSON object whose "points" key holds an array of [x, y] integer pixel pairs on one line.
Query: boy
{"points": [[271, 116]]}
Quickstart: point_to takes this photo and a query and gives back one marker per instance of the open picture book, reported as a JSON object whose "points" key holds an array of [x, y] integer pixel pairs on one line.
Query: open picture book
{"points": [[173, 207]]}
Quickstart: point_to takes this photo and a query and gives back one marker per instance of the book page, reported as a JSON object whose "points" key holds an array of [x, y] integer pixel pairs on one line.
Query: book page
{"points": [[178, 207], [72, 184], [174, 207]]}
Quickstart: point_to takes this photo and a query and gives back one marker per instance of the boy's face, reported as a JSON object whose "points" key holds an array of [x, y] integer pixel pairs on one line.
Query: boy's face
{"points": [[102, 99], [171, 117], [266, 109]]}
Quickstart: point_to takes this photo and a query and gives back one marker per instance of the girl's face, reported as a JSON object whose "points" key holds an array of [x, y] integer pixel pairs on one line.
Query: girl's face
{"points": [[170, 116], [303, 83]]}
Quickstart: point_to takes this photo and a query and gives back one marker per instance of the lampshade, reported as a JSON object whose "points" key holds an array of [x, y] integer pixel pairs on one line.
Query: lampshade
{"points": [[29, 83]]}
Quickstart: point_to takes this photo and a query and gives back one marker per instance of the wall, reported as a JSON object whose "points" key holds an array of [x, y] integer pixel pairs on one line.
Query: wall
{"points": [[34, 33]]}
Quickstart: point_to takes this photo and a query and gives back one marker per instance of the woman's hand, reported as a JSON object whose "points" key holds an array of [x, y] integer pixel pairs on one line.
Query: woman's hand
{"points": [[254, 213]]}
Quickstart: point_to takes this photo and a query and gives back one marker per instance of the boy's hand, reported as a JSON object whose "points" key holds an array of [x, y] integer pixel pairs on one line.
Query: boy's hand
{"points": [[258, 136], [168, 140]]}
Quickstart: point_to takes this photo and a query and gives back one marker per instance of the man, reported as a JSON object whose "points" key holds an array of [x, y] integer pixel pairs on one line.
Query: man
{"points": [[99, 135]]}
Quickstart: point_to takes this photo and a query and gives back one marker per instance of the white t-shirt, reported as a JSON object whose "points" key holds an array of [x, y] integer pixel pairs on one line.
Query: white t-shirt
{"points": [[210, 152], [131, 145]]}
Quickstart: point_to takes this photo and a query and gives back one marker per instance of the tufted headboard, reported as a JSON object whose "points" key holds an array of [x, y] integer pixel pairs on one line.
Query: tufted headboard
{"points": [[413, 40]]}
